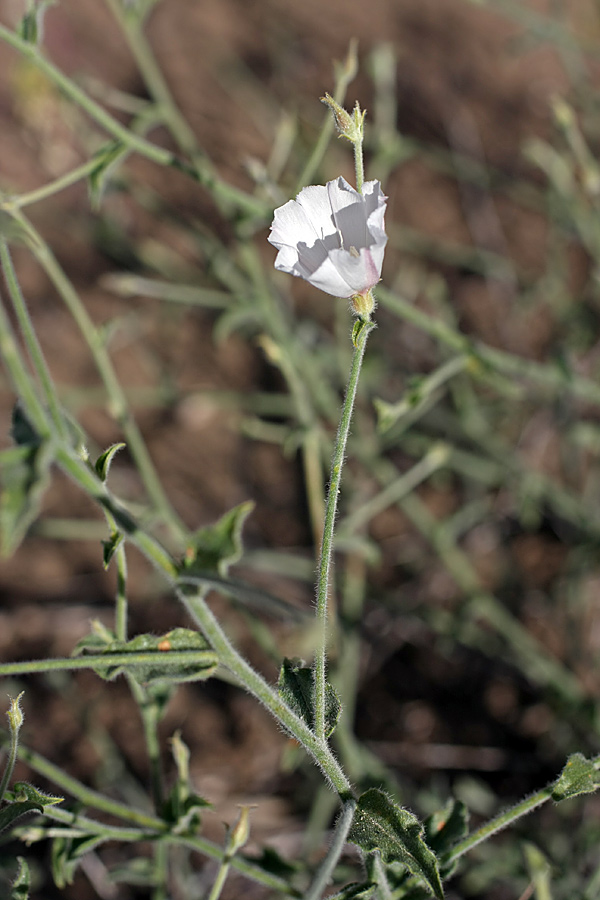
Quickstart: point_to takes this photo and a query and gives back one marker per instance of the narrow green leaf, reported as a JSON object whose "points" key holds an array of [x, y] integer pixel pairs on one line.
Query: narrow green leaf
{"points": [[104, 461], [107, 159], [30, 27], [579, 776], [66, 856], [24, 477], [21, 884], [217, 547], [296, 687], [110, 546], [380, 824], [155, 649]]}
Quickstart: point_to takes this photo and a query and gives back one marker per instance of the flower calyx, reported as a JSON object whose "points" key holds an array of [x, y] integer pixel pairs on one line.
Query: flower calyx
{"points": [[350, 125]]}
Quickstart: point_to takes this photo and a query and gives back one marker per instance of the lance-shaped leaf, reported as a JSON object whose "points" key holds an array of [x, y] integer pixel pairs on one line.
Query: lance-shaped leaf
{"points": [[215, 548], [153, 659], [579, 776], [380, 824], [104, 461]]}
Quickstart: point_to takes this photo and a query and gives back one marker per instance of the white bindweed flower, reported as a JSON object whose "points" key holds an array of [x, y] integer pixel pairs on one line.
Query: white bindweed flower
{"points": [[333, 237]]}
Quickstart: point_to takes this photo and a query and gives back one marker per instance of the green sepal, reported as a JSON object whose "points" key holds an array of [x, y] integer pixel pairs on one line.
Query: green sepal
{"points": [[151, 669], [297, 687], [217, 547], [579, 776], [104, 461], [106, 160], [380, 824], [66, 856], [22, 881]]}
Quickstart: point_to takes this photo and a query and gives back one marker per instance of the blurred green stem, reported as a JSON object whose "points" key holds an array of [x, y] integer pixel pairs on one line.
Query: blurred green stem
{"points": [[345, 72], [31, 342], [117, 401], [340, 836]]}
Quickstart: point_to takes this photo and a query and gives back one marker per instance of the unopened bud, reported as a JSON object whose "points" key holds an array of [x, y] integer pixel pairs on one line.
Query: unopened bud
{"points": [[351, 126], [240, 832], [15, 714]]}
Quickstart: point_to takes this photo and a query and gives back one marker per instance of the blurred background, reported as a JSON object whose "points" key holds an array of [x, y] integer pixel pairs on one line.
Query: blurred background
{"points": [[479, 618]]}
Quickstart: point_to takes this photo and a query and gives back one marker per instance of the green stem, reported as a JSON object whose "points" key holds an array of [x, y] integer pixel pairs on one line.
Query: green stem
{"points": [[328, 528], [156, 658], [19, 375], [383, 888], [154, 79], [121, 603], [33, 346], [68, 460], [552, 378], [149, 711], [344, 74], [78, 826], [219, 882], [116, 397], [52, 187], [340, 836], [15, 720], [256, 685], [359, 167], [498, 823], [95, 111]]}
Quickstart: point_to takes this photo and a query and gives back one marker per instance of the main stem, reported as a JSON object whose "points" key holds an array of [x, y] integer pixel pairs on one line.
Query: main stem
{"points": [[328, 527]]}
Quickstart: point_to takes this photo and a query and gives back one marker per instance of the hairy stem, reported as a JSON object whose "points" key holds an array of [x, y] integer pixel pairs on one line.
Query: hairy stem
{"points": [[327, 543]]}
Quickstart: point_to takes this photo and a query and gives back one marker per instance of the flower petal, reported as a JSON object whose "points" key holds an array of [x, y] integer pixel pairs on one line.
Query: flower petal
{"points": [[360, 272]]}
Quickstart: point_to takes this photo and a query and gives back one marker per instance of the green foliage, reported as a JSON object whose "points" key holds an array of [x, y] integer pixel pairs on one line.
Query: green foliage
{"points": [[24, 478], [212, 550], [25, 799], [150, 659], [106, 160], [579, 776], [297, 687], [444, 829], [104, 461], [30, 27], [507, 429], [22, 881], [381, 825], [67, 853]]}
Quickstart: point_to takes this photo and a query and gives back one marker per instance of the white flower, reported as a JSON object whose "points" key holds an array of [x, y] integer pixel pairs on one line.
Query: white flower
{"points": [[333, 237]]}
